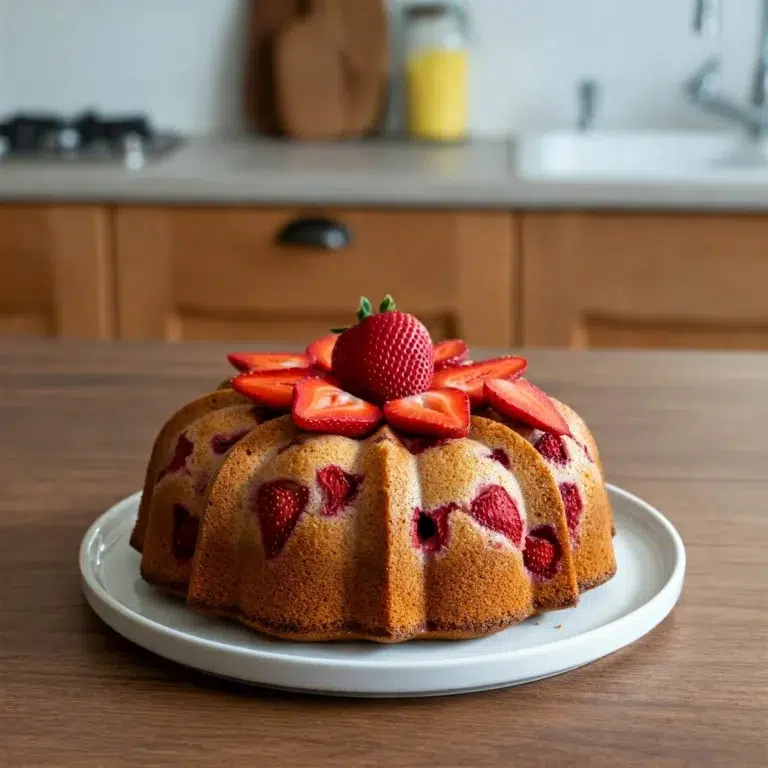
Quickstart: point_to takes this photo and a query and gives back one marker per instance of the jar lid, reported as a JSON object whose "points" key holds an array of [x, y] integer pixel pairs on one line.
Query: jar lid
{"points": [[429, 10]]}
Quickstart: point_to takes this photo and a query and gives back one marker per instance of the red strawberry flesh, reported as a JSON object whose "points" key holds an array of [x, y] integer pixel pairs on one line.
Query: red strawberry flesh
{"points": [[450, 353], [552, 447], [539, 555], [523, 401], [339, 488], [319, 406], [321, 351], [268, 361], [495, 509], [222, 443], [417, 445], [542, 551], [430, 529], [271, 388], [181, 452], [279, 504], [574, 506], [500, 455], [441, 412], [471, 378]]}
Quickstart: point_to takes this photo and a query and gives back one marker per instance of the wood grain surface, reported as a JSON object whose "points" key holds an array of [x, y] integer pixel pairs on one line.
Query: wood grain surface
{"points": [[652, 280], [688, 432]]}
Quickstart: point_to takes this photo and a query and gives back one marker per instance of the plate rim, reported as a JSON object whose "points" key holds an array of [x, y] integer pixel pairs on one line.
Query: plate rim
{"points": [[94, 590]]}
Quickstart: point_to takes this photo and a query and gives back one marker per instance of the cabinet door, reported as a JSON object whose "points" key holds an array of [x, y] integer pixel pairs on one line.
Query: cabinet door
{"points": [[645, 280], [224, 273], [55, 272]]}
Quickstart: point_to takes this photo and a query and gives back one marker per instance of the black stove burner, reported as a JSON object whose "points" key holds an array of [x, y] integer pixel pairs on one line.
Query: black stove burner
{"points": [[24, 133], [92, 129], [87, 134]]}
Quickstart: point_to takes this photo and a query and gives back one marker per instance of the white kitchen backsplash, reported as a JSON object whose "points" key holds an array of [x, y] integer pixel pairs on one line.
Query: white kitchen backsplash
{"points": [[181, 60]]}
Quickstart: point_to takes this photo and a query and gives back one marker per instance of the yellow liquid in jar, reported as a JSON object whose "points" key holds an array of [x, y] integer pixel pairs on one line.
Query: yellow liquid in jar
{"points": [[436, 83]]}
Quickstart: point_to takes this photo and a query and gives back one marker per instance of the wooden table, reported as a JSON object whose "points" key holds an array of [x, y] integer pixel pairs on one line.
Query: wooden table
{"points": [[687, 432]]}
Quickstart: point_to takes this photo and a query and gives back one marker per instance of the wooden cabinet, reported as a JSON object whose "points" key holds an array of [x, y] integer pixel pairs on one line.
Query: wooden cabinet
{"points": [[55, 271], [496, 278], [645, 280], [223, 273]]}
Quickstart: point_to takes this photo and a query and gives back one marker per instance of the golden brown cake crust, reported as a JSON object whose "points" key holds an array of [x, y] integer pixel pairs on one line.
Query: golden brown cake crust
{"points": [[177, 500], [594, 556], [168, 434]]}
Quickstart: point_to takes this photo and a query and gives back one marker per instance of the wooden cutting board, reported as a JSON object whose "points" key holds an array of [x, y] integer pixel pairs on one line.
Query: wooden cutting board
{"points": [[309, 81], [264, 19], [317, 69], [365, 61]]}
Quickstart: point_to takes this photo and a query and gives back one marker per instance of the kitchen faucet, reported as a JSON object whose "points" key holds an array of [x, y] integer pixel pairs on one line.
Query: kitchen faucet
{"points": [[703, 87]]}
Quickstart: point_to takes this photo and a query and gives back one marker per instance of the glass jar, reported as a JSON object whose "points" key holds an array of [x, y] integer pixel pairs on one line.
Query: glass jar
{"points": [[436, 72]]}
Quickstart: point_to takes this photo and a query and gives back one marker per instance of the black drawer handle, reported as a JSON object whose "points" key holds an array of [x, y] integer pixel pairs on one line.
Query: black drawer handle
{"points": [[323, 234]]}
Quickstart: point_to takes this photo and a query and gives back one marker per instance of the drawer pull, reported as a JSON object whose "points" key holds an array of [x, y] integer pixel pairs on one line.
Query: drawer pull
{"points": [[320, 233]]}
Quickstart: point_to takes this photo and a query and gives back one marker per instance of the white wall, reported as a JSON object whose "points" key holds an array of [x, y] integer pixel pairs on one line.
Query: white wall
{"points": [[180, 60]]}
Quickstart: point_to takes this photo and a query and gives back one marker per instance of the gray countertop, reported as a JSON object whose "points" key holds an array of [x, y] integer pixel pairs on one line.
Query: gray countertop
{"points": [[251, 171]]}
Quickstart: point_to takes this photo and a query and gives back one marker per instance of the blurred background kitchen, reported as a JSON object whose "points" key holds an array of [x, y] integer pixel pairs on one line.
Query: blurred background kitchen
{"points": [[516, 172]]}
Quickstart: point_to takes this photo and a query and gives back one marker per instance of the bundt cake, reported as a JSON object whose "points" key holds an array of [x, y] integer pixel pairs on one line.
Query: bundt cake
{"points": [[377, 487]]}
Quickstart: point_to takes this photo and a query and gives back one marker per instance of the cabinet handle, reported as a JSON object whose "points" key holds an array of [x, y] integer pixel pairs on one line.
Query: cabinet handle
{"points": [[321, 233]]}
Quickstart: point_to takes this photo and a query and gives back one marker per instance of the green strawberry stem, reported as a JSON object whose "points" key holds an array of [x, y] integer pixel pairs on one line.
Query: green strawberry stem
{"points": [[365, 310], [387, 304]]}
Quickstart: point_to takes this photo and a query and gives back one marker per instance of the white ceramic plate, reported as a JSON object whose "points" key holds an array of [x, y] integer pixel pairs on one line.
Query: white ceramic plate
{"points": [[651, 567]]}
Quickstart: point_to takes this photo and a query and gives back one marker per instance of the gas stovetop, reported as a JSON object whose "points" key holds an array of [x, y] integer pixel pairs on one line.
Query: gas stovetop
{"points": [[127, 140]]}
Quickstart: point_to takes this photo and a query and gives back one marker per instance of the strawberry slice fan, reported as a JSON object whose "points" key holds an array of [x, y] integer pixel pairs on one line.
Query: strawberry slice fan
{"points": [[318, 406], [385, 368], [268, 361], [274, 388], [441, 412], [321, 351], [450, 353], [471, 378]]}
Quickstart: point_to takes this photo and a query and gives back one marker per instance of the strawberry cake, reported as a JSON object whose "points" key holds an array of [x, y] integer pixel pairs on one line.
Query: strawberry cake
{"points": [[379, 487]]}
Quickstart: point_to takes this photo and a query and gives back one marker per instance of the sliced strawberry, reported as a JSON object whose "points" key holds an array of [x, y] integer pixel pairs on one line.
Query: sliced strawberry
{"points": [[522, 401], [443, 412], [320, 406], [471, 378], [553, 447], [574, 506], [542, 551], [268, 361], [321, 351], [279, 505], [271, 388], [450, 353], [495, 509], [339, 488]]}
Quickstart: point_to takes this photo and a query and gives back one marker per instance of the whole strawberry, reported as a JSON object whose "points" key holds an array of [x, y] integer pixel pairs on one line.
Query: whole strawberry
{"points": [[386, 356]]}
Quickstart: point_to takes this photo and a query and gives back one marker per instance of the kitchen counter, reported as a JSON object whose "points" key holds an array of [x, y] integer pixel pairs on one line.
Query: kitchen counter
{"points": [[681, 430], [481, 174]]}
